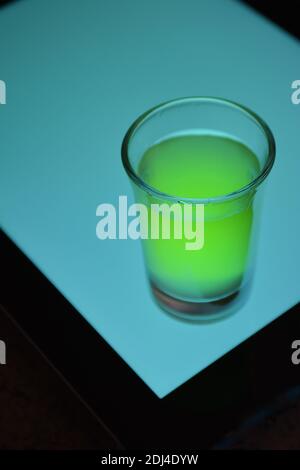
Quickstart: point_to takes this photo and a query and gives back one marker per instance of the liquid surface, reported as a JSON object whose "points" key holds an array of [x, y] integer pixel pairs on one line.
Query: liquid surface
{"points": [[198, 166]]}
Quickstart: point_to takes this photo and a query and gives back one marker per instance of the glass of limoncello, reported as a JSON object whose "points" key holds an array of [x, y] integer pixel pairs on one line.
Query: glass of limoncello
{"points": [[212, 154]]}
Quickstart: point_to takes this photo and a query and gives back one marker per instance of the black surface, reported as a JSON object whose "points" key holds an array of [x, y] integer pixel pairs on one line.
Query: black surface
{"points": [[37, 409], [284, 13]]}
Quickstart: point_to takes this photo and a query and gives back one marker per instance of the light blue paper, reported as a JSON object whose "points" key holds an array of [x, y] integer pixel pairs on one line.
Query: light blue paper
{"points": [[77, 74]]}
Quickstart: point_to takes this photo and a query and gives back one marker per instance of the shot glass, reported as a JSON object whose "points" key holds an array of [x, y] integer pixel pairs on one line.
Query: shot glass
{"points": [[199, 163]]}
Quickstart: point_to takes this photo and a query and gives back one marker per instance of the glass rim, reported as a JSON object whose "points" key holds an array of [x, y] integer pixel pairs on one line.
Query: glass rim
{"points": [[202, 99]]}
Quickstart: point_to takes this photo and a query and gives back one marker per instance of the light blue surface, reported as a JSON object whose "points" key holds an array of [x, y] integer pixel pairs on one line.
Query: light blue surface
{"points": [[77, 74]]}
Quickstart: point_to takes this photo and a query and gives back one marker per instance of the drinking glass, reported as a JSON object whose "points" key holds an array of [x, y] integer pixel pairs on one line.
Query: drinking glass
{"points": [[185, 153]]}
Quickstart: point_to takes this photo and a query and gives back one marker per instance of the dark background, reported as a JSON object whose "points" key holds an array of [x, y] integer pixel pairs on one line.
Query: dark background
{"points": [[39, 411]]}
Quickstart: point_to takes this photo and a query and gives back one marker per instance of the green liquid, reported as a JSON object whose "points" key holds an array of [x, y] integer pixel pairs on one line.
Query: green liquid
{"points": [[202, 166]]}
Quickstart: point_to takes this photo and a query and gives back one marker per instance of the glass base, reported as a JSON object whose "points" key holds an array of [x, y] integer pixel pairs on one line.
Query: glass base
{"points": [[199, 311]]}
